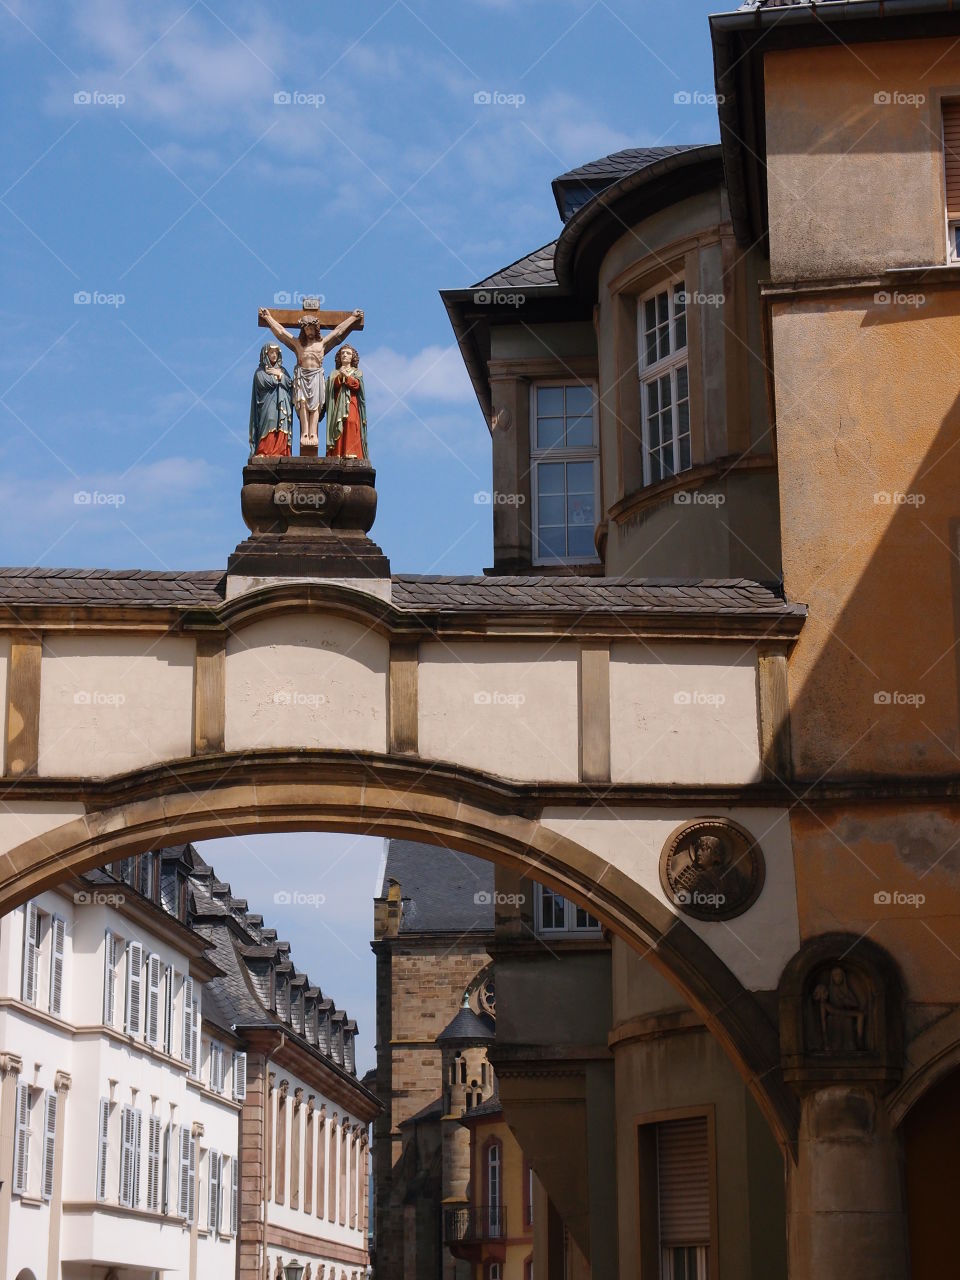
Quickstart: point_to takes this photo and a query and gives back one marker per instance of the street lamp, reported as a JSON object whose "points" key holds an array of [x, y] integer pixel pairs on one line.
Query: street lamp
{"points": [[293, 1270]]}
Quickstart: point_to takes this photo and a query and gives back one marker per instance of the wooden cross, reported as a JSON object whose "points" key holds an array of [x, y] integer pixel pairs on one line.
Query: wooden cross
{"points": [[293, 318]]}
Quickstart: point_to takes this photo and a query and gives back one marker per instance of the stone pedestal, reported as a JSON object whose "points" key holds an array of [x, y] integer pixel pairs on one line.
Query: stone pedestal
{"points": [[308, 518], [846, 1206]]}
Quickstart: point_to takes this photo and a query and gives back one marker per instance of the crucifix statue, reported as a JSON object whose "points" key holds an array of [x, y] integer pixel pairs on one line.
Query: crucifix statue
{"points": [[309, 390]]}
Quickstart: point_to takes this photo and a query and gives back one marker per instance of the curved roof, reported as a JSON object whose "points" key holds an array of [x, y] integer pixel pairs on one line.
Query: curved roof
{"points": [[533, 270], [663, 179], [577, 187], [469, 1026]]}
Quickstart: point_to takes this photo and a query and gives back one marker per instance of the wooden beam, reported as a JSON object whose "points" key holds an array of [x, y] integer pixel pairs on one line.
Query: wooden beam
{"points": [[292, 319], [23, 707], [404, 698], [595, 713], [209, 695], [774, 704]]}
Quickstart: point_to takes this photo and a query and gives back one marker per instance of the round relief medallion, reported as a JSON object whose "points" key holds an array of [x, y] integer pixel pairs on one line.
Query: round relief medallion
{"points": [[712, 869]]}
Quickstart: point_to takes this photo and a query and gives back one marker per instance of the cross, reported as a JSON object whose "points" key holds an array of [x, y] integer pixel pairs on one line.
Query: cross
{"points": [[293, 318]]}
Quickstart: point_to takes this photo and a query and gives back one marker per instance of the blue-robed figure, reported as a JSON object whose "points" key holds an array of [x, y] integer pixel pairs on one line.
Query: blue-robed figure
{"points": [[271, 407]]}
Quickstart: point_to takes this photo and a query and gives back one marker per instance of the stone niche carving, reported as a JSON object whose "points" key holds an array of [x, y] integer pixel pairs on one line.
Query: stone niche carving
{"points": [[841, 1014], [712, 869]]}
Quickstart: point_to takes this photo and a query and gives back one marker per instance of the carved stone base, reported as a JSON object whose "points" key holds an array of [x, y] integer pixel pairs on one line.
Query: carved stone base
{"points": [[309, 517]]}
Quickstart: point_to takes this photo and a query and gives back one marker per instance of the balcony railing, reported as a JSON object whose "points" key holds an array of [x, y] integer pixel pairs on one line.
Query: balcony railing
{"points": [[474, 1225]]}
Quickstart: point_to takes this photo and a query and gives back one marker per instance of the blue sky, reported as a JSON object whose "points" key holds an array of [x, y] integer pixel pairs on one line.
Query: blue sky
{"points": [[197, 198], [181, 197]]}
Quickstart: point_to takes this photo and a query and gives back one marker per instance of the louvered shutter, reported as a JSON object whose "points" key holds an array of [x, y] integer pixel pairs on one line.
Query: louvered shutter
{"points": [[186, 1045], [151, 1028], [213, 1197], [951, 156], [195, 1054], [153, 1163], [240, 1076], [168, 1010], [103, 1149], [137, 1140], [192, 1179], [21, 1139], [57, 939], [234, 1193], [183, 1175], [683, 1176], [134, 1024], [165, 1170], [127, 1129], [49, 1144], [109, 977], [28, 984]]}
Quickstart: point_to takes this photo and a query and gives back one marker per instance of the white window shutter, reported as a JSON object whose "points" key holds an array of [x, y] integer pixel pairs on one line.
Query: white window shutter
{"points": [[183, 1175], [234, 1193], [186, 1044], [153, 1163], [240, 1076], [137, 1135], [21, 1139], [49, 1144], [213, 1196], [192, 1186], [168, 1009], [28, 983], [58, 931], [103, 1149], [151, 1028], [195, 1054], [109, 977], [165, 1170], [127, 1130], [134, 1023]]}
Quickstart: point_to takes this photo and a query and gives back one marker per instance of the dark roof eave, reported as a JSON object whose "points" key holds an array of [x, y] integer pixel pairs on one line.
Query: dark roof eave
{"points": [[454, 300], [649, 178]]}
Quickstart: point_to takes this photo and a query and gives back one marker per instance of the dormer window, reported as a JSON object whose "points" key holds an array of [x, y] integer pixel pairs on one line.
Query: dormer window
{"points": [[664, 382]]}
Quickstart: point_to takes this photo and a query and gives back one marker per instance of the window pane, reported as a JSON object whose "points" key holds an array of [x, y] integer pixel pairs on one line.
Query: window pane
{"points": [[549, 402], [552, 909], [684, 453], [552, 544], [680, 316], [580, 511], [666, 392], [667, 455], [655, 472], [580, 478], [579, 402], [549, 433], [550, 477], [585, 920], [551, 510], [579, 432], [580, 542]]}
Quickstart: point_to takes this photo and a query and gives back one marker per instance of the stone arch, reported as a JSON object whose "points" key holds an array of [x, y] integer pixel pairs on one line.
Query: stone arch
{"points": [[277, 791], [931, 1056]]}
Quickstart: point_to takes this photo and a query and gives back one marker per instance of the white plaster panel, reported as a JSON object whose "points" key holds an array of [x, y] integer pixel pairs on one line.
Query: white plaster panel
{"points": [[307, 680], [4, 668], [112, 703], [508, 707], [22, 820], [683, 712], [754, 946]]}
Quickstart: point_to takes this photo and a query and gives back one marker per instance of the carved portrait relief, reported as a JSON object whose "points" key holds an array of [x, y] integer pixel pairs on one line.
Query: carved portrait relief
{"points": [[712, 869]]}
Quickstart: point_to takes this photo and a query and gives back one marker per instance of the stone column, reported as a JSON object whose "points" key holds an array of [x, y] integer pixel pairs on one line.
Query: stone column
{"points": [[254, 1153], [61, 1084], [846, 1207], [10, 1067]]}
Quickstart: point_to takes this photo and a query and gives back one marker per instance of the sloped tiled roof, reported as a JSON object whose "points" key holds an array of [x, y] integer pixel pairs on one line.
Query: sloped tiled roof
{"points": [[441, 889], [414, 592], [468, 1025], [532, 271]]}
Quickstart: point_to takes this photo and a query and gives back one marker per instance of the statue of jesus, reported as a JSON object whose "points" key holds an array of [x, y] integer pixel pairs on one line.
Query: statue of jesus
{"points": [[308, 382]]}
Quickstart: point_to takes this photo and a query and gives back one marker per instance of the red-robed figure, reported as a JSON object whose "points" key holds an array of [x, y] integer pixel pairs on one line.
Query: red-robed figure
{"points": [[346, 408]]}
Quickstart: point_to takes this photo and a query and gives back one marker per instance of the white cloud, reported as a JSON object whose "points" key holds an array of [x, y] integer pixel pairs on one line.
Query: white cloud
{"points": [[434, 373]]}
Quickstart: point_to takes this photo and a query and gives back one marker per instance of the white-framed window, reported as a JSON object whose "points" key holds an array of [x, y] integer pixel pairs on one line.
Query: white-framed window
{"points": [[683, 1191], [494, 1191], [664, 382], [950, 124], [235, 1194], [32, 935], [169, 1004], [133, 1007], [685, 1262], [151, 1017], [564, 472], [556, 914], [49, 1144], [58, 935], [113, 948], [186, 1182]]}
